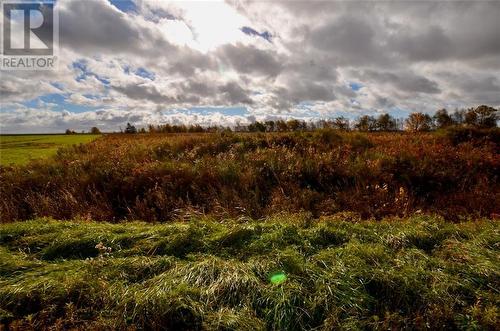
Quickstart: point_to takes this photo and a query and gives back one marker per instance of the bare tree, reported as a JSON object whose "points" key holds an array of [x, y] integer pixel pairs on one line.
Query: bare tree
{"points": [[366, 123]]}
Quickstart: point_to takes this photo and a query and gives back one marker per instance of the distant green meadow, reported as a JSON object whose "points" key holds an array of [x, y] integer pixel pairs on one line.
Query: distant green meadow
{"points": [[20, 149]]}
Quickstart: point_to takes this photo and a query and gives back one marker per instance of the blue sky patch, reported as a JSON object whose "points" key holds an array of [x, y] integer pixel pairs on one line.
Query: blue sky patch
{"points": [[141, 72], [57, 85], [81, 65], [252, 32], [126, 6], [355, 86], [232, 111], [61, 103]]}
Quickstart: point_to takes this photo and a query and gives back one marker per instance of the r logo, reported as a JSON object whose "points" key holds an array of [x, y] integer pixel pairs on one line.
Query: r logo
{"points": [[28, 28]]}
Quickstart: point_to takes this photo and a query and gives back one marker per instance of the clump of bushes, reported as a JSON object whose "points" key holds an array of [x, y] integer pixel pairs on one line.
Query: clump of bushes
{"points": [[477, 136]]}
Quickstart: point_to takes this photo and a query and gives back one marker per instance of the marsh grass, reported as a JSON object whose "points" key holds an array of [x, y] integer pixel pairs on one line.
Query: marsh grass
{"points": [[166, 177], [341, 273]]}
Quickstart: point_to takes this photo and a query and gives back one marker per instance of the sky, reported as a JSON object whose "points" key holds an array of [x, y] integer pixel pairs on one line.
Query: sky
{"points": [[233, 62]]}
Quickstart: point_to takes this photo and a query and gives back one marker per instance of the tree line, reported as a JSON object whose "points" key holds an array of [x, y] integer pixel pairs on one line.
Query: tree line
{"points": [[479, 117]]}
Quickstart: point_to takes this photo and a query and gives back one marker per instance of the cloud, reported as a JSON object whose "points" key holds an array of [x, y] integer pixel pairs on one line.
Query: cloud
{"points": [[251, 60], [168, 57], [429, 45], [144, 92], [350, 39], [402, 81], [234, 94], [96, 26]]}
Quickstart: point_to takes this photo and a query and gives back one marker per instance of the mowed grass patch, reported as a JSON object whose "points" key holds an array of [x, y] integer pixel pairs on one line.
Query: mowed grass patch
{"points": [[20, 149], [201, 274]]}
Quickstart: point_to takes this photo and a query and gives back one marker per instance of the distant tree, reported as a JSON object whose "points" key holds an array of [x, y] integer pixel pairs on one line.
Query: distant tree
{"points": [[130, 129], [312, 125], [326, 124], [270, 125], [400, 123], [418, 122], [142, 130], [366, 123], [281, 126], [293, 125], [261, 126], [240, 128], [458, 116], [386, 122], [442, 119], [257, 127], [68, 131], [152, 128], [302, 125], [95, 130], [487, 117], [341, 123], [166, 128], [470, 117], [196, 128]]}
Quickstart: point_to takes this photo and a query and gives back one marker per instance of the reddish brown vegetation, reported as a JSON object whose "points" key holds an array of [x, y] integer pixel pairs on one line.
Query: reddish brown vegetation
{"points": [[160, 177]]}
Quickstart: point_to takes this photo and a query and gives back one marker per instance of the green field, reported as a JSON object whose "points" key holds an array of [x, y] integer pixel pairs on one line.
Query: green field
{"points": [[288, 272], [20, 149]]}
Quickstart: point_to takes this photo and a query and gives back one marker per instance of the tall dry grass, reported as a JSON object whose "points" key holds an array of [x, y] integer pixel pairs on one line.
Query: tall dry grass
{"points": [[161, 177]]}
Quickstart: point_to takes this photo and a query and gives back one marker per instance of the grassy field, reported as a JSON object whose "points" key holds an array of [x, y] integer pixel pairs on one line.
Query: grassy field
{"points": [[164, 177], [288, 272], [321, 230], [20, 149]]}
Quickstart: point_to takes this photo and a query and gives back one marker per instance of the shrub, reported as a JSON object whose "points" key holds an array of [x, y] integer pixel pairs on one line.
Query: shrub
{"points": [[477, 136]]}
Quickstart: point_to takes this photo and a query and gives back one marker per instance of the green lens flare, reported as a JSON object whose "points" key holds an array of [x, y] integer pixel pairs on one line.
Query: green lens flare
{"points": [[277, 278]]}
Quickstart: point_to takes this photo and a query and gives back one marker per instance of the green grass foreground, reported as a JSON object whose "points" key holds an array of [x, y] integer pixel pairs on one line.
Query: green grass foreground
{"points": [[341, 273], [20, 149]]}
